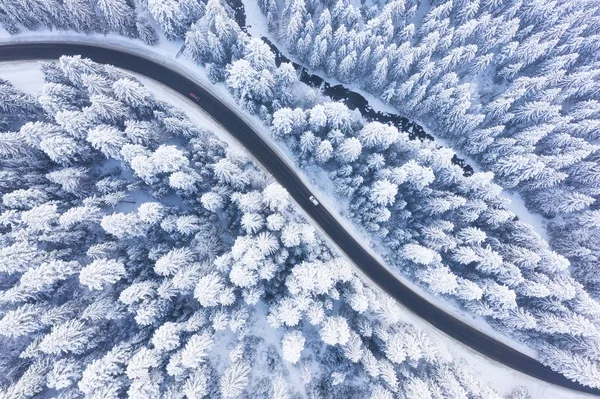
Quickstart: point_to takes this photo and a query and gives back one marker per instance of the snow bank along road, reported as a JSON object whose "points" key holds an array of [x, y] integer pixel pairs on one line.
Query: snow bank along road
{"points": [[253, 142]]}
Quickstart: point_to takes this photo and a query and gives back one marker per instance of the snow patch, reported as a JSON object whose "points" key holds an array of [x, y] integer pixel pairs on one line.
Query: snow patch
{"points": [[256, 22], [24, 75]]}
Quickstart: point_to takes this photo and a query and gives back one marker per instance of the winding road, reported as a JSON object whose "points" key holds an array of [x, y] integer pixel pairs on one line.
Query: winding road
{"points": [[286, 176]]}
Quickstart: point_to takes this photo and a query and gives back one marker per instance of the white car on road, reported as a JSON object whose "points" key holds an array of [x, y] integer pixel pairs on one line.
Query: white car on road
{"points": [[313, 200]]}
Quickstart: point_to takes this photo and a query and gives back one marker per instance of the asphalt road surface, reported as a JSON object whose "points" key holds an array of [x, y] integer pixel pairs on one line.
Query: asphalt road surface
{"points": [[253, 142]]}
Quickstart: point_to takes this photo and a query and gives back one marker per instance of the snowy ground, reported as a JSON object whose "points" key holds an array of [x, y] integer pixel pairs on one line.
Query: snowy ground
{"points": [[27, 78], [24, 75]]}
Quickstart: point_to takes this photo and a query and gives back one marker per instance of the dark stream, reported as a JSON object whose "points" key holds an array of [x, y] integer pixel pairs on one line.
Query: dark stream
{"points": [[350, 98]]}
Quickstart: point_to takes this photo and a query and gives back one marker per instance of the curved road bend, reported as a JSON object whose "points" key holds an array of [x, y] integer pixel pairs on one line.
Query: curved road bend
{"points": [[253, 142]]}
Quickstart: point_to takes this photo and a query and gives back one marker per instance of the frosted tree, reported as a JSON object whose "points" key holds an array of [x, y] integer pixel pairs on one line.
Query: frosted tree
{"points": [[346, 67], [61, 149], [439, 279], [107, 109], [280, 389], [215, 38], [242, 78], [395, 348], [101, 272], [141, 362], [72, 336], [276, 197], [173, 261], [150, 212], [107, 139], [212, 201], [83, 16], [324, 151], [30, 383], [375, 134], [208, 289], [21, 321], [287, 121], [145, 31], [124, 225], [76, 123], [227, 172], [417, 388], [234, 379], [70, 179], [259, 54], [168, 159], [167, 14], [384, 192], [500, 296], [197, 385], [41, 279], [64, 373], [196, 349], [166, 337], [577, 367], [132, 93], [292, 345], [380, 74], [420, 255], [17, 257], [379, 392], [388, 375], [99, 375], [119, 15], [353, 349], [252, 222], [335, 330], [349, 150], [24, 199]]}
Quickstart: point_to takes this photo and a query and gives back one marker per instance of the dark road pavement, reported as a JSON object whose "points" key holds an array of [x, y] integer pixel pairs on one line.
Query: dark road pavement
{"points": [[253, 142]]}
